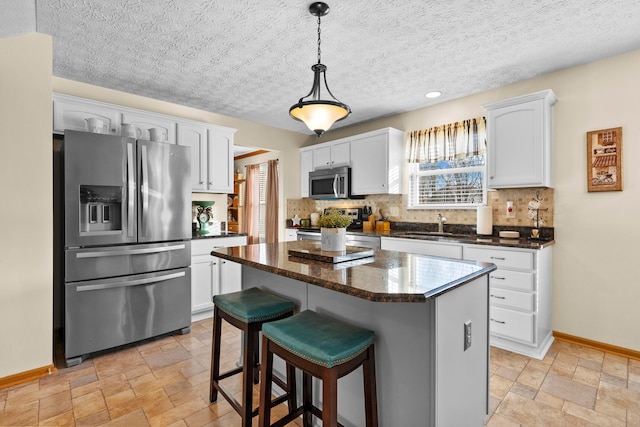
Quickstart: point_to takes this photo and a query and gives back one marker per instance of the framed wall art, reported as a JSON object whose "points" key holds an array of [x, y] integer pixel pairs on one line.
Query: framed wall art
{"points": [[604, 160]]}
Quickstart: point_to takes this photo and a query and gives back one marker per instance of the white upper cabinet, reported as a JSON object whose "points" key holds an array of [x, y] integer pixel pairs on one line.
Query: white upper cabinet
{"points": [[220, 161], [519, 136], [376, 165], [306, 166], [375, 159], [211, 145], [331, 155], [143, 121], [211, 155], [70, 112], [195, 136]]}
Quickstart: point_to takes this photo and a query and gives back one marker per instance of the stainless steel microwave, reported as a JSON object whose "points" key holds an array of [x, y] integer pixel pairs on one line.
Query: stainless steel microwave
{"points": [[330, 183]]}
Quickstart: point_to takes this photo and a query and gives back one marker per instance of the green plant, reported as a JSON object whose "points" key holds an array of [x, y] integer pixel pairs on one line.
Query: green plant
{"points": [[334, 219]]}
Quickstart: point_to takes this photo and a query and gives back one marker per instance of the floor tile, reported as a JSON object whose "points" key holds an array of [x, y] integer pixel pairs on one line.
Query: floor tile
{"points": [[165, 382]]}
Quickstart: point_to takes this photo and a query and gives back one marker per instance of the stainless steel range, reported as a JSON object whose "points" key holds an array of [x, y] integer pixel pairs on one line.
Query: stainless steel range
{"points": [[127, 248], [355, 237]]}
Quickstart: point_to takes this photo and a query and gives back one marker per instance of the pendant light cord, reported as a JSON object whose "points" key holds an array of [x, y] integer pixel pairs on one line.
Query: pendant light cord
{"points": [[318, 39]]}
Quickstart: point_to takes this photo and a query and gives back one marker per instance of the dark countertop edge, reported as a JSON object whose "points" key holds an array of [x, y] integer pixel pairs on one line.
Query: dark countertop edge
{"points": [[463, 280], [197, 236], [473, 239], [360, 293]]}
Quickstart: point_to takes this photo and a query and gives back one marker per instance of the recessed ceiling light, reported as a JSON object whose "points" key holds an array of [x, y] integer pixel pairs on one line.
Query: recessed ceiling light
{"points": [[433, 94]]}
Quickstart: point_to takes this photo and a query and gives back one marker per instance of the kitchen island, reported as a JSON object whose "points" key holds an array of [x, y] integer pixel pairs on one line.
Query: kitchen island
{"points": [[430, 316]]}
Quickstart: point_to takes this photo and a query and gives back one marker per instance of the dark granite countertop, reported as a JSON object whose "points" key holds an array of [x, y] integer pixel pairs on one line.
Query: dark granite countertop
{"points": [[461, 235], [388, 276], [197, 234]]}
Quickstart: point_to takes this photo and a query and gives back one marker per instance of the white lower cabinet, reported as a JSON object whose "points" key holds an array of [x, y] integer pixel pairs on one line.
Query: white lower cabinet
{"points": [[519, 297], [519, 290], [290, 234], [211, 275]]}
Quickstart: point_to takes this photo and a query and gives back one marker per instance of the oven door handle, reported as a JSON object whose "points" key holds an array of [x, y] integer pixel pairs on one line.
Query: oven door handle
{"points": [[135, 282], [124, 252]]}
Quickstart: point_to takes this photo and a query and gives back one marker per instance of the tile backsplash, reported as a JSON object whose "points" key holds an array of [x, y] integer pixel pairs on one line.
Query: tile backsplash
{"points": [[393, 208]]}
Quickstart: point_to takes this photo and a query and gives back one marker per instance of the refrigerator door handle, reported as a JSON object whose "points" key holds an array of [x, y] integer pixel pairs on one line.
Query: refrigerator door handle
{"points": [[136, 282], [121, 252], [144, 190], [131, 184]]}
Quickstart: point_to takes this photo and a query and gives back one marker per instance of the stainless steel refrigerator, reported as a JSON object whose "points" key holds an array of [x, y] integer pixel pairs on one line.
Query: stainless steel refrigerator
{"points": [[127, 241]]}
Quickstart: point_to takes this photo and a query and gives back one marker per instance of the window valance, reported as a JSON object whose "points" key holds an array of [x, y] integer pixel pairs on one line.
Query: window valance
{"points": [[448, 142]]}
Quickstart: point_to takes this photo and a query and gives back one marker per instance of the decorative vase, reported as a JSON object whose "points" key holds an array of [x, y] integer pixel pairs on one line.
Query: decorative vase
{"points": [[333, 239]]}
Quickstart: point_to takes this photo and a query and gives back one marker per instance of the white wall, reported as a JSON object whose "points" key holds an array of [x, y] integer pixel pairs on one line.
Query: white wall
{"points": [[26, 215], [595, 281]]}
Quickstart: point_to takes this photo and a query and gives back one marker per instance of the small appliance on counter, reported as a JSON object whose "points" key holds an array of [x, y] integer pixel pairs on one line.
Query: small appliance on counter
{"points": [[205, 214]]}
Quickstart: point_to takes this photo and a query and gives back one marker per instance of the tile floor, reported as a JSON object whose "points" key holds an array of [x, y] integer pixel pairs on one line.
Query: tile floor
{"points": [[165, 382]]}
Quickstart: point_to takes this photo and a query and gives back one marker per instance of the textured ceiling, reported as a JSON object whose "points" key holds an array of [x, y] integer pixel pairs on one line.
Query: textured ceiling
{"points": [[251, 59]]}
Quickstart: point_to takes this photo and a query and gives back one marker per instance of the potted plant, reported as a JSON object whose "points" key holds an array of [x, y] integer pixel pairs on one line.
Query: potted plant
{"points": [[333, 230]]}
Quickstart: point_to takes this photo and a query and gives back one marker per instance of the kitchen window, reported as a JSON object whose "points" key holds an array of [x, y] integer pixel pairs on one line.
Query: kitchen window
{"points": [[447, 166]]}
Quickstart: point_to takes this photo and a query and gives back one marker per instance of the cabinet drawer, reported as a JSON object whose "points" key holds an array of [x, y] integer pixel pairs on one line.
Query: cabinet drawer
{"points": [[501, 258], [517, 280], [511, 299], [511, 324]]}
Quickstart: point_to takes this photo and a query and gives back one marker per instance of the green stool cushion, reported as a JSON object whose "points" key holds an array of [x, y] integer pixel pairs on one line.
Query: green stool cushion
{"points": [[318, 338], [253, 305]]}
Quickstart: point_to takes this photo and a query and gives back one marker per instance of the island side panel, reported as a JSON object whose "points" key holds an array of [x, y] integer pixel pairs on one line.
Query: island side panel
{"points": [[462, 375], [405, 358]]}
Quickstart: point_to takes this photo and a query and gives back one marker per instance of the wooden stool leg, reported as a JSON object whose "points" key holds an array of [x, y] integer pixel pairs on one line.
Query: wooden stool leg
{"points": [[330, 398], [307, 383], [215, 355], [264, 414], [292, 402], [248, 367], [370, 391], [256, 357]]}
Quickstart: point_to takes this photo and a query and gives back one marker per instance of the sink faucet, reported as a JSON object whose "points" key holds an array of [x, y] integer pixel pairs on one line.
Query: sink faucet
{"points": [[441, 221]]}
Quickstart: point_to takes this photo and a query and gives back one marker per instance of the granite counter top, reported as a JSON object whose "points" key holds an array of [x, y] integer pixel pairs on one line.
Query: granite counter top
{"points": [[462, 237], [387, 276]]}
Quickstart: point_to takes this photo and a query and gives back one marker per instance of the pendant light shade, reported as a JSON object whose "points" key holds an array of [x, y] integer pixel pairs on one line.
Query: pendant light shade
{"points": [[317, 113]]}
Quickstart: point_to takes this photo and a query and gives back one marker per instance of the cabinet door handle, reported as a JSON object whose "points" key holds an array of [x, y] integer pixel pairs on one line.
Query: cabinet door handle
{"points": [[210, 182], [201, 182], [498, 258], [502, 322], [497, 297], [498, 278]]}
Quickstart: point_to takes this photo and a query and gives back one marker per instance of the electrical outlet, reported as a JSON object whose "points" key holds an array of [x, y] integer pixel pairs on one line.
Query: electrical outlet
{"points": [[511, 210], [467, 335], [394, 211]]}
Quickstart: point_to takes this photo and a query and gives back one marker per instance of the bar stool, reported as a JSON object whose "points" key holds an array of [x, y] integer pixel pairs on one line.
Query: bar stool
{"points": [[322, 347], [248, 310]]}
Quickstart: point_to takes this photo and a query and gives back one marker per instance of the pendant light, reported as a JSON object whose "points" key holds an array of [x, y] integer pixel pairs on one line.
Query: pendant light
{"points": [[317, 113]]}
